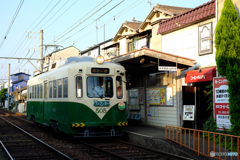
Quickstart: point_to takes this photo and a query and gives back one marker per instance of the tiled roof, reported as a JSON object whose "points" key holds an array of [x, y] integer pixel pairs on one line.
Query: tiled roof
{"points": [[203, 11], [172, 9], [133, 25]]}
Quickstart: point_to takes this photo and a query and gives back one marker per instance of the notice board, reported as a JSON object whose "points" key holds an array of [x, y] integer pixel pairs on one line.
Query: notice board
{"points": [[221, 103]]}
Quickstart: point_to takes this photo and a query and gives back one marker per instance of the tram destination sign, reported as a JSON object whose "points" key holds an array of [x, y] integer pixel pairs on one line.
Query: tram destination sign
{"points": [[100, 70], [167, 68]]}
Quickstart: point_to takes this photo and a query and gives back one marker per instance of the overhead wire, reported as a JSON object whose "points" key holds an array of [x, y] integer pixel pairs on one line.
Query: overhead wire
{"points": [[54, 15], [13, 19], [40, 21], [84, 21], [40, 15], [60, 15], [47, 14], [112, 19], [19, 45], [78, 21], [92, 22]]}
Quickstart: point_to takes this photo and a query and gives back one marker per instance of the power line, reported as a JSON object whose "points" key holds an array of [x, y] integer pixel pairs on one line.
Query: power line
{"points": [[92, 22], [84, 20], [54, 15], [46, 15], [78, 21], [112, 19], [20, 45], [40, 15], [60, 15], [13, 19]]}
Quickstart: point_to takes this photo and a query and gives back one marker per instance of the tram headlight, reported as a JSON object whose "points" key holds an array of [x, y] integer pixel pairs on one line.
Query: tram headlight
{"points": [[100, 59]]}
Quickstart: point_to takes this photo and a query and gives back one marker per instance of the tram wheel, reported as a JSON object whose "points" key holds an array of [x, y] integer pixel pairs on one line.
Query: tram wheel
{"points": [[54, 125], [33, 119]]}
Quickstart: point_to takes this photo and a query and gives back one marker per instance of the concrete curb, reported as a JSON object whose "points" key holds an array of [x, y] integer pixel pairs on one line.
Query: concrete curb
{"points": [[154, 143]]}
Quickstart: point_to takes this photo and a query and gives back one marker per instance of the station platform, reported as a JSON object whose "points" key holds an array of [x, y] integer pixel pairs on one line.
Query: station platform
{"points": [[154, 137]]}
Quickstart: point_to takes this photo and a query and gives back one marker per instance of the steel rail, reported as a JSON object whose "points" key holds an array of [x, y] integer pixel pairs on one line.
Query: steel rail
{"points": [[115, 155], [155, 151], [38, 139], [9, 155]]}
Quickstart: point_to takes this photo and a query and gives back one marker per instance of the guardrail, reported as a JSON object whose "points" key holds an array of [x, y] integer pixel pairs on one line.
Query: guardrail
{"points": [[202, 141]]}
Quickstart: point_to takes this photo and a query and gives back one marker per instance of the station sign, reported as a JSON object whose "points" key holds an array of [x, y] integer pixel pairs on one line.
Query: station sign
{"points": [[167, 68]]}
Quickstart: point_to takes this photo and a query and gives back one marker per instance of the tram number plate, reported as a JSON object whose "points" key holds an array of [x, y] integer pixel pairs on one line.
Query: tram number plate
{"points": [[101, 103], [101, 110]]}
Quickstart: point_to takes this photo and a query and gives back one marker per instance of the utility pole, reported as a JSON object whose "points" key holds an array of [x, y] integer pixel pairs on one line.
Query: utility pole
{"points": [[41, 50], [8, 84], [40, 47]]}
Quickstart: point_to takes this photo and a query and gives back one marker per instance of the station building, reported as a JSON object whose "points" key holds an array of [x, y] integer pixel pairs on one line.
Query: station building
{"points": [[169, 60]]}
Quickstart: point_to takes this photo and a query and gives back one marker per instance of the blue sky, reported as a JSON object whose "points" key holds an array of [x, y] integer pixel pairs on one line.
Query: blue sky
{"points": [[57, 17]]}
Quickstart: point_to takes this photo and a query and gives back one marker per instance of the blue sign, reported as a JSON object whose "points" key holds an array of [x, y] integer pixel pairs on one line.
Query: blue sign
{"points": [[101, 103]]}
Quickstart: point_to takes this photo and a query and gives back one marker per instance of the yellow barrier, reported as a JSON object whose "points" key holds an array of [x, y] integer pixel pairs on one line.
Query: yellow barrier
{"points": [[179, 139]]}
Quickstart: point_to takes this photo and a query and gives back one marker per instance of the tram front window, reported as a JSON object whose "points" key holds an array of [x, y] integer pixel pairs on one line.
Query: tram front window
{"points": [[99, 87]]}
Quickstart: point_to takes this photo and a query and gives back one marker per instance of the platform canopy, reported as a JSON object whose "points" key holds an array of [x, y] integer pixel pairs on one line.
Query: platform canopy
{"points": [[147, 60]]}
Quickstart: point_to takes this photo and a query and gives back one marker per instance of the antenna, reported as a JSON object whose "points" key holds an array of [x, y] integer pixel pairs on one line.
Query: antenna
{"points": [[149, 1]]}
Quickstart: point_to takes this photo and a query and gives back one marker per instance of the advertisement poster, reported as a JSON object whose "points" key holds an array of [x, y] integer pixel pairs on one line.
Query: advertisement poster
{"points": [[133, 99], [149, 111], [169, 96], [188, 112], [221, 103], [141, 96], [157, 96]]}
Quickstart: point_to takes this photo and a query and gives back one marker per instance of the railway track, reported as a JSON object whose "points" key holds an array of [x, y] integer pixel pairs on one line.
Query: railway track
{"points": [[22, 145], [90, 148]]}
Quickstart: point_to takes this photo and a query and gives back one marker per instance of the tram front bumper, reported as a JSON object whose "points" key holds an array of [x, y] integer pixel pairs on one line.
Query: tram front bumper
{"points": [[98, 124]]}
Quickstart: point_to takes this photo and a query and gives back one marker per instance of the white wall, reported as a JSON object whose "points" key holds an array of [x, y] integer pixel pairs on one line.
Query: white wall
{"points": [[184, 43], [122, 46]]}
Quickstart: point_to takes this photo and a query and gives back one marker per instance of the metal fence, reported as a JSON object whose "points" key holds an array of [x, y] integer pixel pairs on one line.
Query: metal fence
{"points": [[212, 144]]}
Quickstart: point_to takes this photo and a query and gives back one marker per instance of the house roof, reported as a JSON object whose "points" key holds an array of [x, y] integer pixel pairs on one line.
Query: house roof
{"points": [[96, 46], [131, 25], [170, 10], [20, 73], [61, 50], [205, 11]]}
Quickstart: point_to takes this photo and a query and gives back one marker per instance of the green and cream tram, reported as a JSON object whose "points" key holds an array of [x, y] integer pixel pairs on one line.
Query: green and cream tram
{"points": [[83, 96]]}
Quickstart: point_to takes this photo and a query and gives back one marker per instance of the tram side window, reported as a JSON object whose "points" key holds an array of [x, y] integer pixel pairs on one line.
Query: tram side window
{"points": [[50, 89], [45, 90], [119, 87], [33, 91], [60, 88], [30, 92], [54, 88], [79, 86], [37, 87], [40, 91], [65, 87]]}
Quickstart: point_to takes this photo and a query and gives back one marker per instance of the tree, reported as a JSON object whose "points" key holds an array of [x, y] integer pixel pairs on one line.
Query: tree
{"points": [[3, 94], [226, 33], [227, 43]]}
